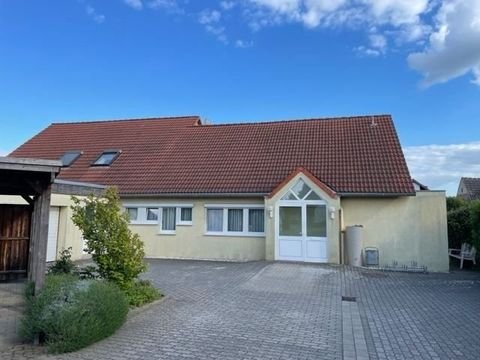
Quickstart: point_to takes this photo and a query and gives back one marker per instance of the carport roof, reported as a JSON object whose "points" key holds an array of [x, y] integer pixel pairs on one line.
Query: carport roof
{"points": [[22, 176]]}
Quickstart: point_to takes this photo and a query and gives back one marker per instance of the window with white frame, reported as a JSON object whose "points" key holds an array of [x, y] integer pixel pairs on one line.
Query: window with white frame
{"points": [[235, 220], [152, 214], [132, 213], [185, 215], [166, 215], [168, 219], [256, 220]]}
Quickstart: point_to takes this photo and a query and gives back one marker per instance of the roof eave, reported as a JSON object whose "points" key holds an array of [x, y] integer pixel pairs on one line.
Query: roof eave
{"points": [[374, 194], [257, 194], [194, 195]]}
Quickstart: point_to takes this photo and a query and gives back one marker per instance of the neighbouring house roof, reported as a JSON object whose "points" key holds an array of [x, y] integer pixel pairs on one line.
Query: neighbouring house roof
{"points": [[469, 188], [350, 155]]}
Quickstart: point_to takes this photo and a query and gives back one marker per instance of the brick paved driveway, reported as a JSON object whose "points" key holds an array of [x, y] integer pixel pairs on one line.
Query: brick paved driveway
{"points": [[263, 310]]}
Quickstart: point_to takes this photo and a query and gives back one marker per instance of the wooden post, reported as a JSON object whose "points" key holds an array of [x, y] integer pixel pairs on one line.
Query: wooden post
{"points": [[39, 238]]}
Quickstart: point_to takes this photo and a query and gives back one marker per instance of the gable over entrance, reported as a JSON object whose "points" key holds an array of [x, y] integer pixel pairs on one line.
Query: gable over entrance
{"points": [[301, 233], [303, 224]]}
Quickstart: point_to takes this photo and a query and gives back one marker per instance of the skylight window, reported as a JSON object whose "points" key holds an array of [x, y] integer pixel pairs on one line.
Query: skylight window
{"points": [[69, 158], [106, 158]]}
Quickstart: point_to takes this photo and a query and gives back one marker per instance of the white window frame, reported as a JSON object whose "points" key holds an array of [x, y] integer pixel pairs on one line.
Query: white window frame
{"points": [[142, 215], [179, 216], [146, 214], [225, 232], [160, 221]]}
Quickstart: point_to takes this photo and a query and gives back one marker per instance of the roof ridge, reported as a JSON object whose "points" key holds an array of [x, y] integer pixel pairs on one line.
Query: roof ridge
{"points": [[335, 118], [126, 119]]}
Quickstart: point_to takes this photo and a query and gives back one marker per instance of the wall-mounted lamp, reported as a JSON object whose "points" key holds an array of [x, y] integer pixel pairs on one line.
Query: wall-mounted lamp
{"points": [[331, 211], [270, 212]]}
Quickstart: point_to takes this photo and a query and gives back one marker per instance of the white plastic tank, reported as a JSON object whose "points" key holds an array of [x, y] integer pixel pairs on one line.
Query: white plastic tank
{"points": [[354, 244]]}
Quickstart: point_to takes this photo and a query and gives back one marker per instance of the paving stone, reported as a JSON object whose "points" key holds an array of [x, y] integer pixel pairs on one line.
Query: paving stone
{"points": [[264, 310]]}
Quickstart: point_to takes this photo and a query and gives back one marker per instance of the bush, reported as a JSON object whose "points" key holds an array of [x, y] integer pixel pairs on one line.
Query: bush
{"points": [[64, 265], [142, 292], [117, 251], [475, 223], [69, 314], [453, 203], [459, 227]]}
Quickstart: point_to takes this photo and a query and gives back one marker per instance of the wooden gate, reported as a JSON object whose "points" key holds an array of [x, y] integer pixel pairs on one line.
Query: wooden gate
{"points": [[14, 241]]}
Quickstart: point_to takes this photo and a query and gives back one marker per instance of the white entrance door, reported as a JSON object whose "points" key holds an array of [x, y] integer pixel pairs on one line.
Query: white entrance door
{"points": [[53, 233], [301, 233]]}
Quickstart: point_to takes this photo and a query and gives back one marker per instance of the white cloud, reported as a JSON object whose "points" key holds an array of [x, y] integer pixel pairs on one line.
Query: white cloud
{"points": [[98, 18], [227, 5], [211, 19], [442, 166], [378, 41], [397, 12], [313, 13], [136, 4], [318, 10], [377, 47], [454, 46], [209, 16], [218, 31], [171, 6], [445, 34], [366, 51], [243, 44]]}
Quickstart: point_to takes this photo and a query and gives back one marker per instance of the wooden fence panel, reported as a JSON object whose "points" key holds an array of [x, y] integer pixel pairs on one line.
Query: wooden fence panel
{"points": [[14, 241]]}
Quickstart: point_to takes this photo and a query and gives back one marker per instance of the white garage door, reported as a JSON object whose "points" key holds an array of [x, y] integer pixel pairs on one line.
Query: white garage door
{"points": [[53, 233]]}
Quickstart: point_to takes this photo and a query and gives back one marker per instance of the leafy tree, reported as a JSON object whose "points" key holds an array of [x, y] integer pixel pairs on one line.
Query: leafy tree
{"points": [[459, 227], [453, 203], [117, 251], [475, 223]]}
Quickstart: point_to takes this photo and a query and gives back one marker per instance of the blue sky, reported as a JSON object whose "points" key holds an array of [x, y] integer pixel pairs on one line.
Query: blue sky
{"points": [[251, 60]]}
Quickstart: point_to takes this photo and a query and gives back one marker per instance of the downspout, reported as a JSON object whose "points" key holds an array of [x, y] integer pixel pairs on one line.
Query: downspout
{"points": [[340, 236]]}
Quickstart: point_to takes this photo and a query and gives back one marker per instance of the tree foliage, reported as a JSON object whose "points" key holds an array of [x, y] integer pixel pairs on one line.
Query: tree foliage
{"points": [[475, 221], [463, 222], [117, 251], [454, 203], [459, 227]]}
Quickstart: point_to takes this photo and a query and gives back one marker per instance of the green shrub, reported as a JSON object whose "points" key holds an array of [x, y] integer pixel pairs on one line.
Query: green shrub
{"points": [[69, 314], [142, 292], [459, 227], [454, 203], [64, 265], [117, 251], [88, 272], [475, 223]]}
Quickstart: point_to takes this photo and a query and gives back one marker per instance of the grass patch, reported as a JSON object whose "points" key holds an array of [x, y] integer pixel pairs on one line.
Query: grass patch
{"points": [[142, 292]]}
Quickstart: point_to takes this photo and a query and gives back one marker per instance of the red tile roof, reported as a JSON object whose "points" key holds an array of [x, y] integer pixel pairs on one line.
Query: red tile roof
{"points": [[309, 175], [181, 156]]}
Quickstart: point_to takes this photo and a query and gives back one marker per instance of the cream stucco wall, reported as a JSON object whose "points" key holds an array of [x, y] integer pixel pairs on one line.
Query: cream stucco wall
{"points": [[68, 234], [404, 229], [190, 241], [332, 224]]}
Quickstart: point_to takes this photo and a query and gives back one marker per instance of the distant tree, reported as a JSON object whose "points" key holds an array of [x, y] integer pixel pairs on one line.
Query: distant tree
{"points": [[475, 223], [454, 203], [459, 227]]}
